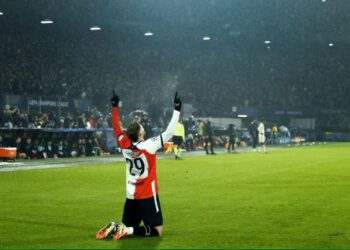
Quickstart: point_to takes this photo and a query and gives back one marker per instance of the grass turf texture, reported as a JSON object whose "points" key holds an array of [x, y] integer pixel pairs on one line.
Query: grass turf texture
{"points": [[294, 197]]}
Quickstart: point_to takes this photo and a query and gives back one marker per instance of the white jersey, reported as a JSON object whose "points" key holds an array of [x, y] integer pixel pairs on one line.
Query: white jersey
{"points": [[261, 130]]}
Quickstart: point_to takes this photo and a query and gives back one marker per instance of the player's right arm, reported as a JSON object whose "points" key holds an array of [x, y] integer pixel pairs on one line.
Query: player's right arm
{"points": [[155, 143], [122, 139]]}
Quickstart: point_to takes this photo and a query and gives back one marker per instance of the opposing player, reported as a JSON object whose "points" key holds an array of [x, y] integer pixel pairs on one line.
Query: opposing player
{"points": [[232, 138], [262, 139], [142, 201]]}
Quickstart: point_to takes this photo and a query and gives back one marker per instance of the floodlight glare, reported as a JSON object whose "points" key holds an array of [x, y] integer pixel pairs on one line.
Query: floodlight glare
{"points": [[46, 21], [93, 28]]}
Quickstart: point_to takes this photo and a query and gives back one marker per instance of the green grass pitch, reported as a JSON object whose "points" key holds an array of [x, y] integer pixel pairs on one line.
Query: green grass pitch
{"points": [[297, 197]]}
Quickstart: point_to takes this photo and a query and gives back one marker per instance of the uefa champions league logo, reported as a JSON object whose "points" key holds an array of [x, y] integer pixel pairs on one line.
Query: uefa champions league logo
{"points": [[133, 154]]}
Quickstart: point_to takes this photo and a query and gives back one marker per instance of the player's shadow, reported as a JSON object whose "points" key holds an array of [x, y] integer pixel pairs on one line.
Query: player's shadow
{"points": [[140, 242], [131, 242]]}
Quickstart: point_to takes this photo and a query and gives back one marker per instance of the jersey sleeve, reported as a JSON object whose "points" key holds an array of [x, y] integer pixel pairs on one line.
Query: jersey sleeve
{"points": [[153, 144], [122, 139]]}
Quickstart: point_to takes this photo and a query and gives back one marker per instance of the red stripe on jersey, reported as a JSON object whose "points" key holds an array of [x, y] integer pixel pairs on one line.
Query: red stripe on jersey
{"points": [[122, 139], [143, 186], [144, 190]]}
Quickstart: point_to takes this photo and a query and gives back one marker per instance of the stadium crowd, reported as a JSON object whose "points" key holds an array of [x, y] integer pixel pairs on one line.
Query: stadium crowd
{"points": [[82, 134], [39, 144], [86, 71], [13, 117], [145, 75], [48, 135]]}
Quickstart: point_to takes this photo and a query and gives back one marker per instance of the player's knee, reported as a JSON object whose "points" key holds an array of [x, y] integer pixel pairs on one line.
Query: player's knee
{"points": [[159, 229]]}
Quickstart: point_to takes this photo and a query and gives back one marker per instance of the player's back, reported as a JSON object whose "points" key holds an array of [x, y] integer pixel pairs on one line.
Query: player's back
{"points": [[141, 176]]}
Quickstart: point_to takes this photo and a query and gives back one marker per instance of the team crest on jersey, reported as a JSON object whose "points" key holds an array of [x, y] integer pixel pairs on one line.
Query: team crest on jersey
{"points": [[133, 154]]}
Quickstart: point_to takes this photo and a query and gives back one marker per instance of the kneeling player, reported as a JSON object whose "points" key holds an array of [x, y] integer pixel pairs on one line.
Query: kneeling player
{"points": [[142, 201]]}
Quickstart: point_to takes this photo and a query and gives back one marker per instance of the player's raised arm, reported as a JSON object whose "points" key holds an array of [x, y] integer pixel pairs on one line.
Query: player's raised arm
{"points": [[168, 133], [122, 138], [155, 143]]}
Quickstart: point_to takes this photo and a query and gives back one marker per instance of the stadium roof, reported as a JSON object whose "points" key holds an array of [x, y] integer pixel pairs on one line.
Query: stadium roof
{"points": [[181, 22]]}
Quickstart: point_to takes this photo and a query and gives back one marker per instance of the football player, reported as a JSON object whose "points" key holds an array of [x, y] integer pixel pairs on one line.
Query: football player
{"points": [[178, 139], [262, 138], [142, 201]]}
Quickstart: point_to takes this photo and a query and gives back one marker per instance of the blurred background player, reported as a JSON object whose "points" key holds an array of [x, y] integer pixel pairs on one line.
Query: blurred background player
{"points": [[178, 139], [208, 132], [142, 201], [190, 130], [232, 137], [274, 131], [253, 130], [146, 124], [262, 139]]}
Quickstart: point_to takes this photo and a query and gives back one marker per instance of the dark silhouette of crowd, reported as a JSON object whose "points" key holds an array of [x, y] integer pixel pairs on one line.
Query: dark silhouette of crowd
{"points": [[311, 82], [13, 117], [47, 135], [39, 144]]}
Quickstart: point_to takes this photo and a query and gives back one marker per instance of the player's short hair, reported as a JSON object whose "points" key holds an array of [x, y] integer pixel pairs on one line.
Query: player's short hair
{"points": [[133, 131]]}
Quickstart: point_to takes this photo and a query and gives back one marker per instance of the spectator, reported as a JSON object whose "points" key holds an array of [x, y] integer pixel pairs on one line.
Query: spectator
{"points": [[89, 148], [61, 151], [82, 121], [28, 149], [146, 124], [50, 150], [208, 133], [274, 131], [231, 130], [253, 130], [81, 148]]}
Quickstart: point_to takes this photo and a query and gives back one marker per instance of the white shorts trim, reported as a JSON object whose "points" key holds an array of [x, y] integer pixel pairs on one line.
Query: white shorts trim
{"points": [[155, 195]]}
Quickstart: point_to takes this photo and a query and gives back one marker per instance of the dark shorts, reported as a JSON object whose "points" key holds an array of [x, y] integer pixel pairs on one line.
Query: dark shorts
{"points": [[147, 210], [177, 140]]}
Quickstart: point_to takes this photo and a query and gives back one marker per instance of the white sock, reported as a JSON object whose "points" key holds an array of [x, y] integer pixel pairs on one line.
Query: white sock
{"points": [[130, 230]]}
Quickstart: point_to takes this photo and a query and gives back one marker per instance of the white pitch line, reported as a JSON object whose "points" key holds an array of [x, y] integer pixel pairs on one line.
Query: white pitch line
{"points": [[13, 166], [11, 169], [47, 166]]}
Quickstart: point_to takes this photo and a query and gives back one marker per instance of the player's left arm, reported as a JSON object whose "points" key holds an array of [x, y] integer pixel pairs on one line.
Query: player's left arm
{"points": [[122, 139], [155, 143]]}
